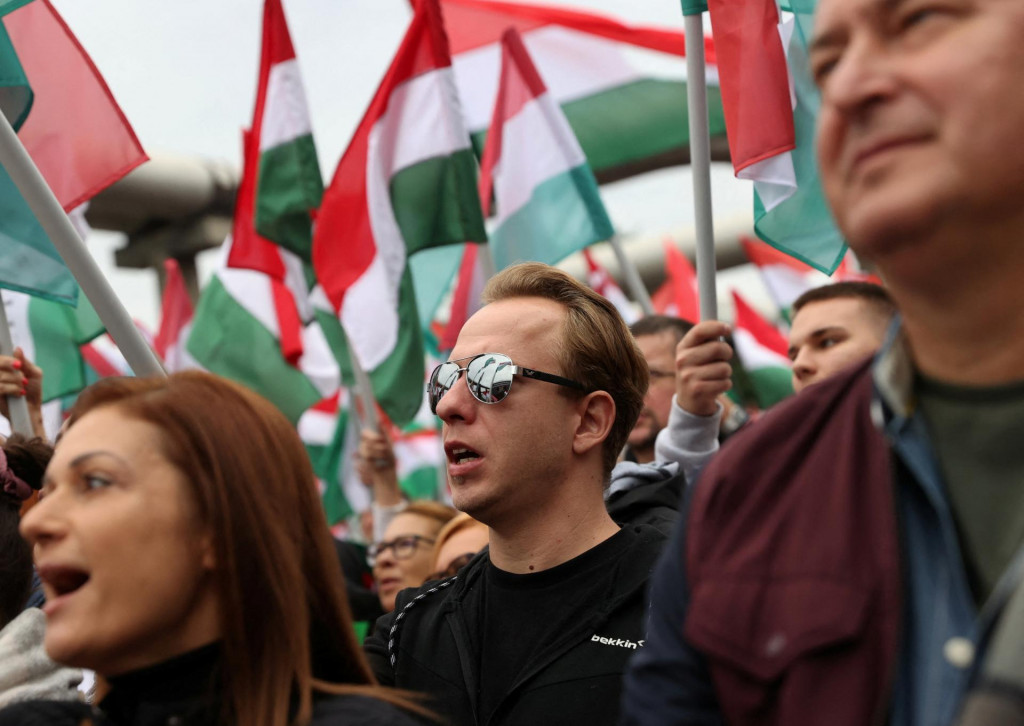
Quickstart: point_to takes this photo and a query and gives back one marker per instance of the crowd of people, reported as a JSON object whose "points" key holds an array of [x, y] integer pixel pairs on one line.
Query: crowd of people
{"points": [[626, 544]]}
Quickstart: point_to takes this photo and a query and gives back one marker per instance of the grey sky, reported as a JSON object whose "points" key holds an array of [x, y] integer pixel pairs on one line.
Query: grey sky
{"points": [[185, 74]]}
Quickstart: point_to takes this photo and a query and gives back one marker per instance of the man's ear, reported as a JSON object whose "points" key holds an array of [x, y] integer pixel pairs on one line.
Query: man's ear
{"points": [[597, 416]]}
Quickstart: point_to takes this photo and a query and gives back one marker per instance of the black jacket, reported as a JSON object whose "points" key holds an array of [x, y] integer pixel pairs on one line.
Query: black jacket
{"points": [[575, 680], [650, 495], [185, 690]]}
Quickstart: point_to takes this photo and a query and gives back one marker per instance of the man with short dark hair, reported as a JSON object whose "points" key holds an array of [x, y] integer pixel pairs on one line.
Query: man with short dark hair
{"points": [[857, 556], [836, 326], [657, 337], [543, 387]]}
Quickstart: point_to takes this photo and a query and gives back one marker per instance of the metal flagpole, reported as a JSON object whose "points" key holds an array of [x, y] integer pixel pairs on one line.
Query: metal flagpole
{"points": [[52, 218], [17, 406], [364, 389], [631, 277], [700, 161]]}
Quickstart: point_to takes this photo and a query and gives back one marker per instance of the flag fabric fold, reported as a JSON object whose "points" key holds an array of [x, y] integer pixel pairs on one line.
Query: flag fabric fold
{"points": [[546, 196], [678, 295], [762, 350], [602, 283], [756, 98], [627, 119], [175, 320], [51, 335], [72, 128], [407, 182], [801, 224], [236, 333]]}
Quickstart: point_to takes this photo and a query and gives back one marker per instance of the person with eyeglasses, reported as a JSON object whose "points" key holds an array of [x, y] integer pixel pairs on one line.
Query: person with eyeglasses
{"points": [[540, 392], [457, 543], [403, 557]]}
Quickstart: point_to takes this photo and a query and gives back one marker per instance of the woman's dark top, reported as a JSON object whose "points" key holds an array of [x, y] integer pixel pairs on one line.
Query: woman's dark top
{"points": [[183, 692]]}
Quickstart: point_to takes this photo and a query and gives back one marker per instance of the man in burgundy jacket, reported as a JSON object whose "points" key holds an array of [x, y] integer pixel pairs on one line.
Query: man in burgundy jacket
{"points": [[849, 559]]}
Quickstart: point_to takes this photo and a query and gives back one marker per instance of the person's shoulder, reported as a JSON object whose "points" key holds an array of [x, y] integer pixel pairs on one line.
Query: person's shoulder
{"points": [[358, 710], [801, 417]]}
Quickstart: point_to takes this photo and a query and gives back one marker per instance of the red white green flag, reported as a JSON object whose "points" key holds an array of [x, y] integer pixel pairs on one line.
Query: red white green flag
{"points": [[602, 283], [175, 320], [787, 278], [546, 196], [761, 349], [609, 78], [678, 295], [72, 128], [407, 182]]}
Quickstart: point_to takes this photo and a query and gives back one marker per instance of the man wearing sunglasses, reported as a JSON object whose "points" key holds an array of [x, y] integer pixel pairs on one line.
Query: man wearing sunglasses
{"points": [[538, 398]]}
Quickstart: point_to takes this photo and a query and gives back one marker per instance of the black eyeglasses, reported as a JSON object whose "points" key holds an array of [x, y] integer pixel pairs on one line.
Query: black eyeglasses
{"points": [[488, 377], [453, 567], [403, 547]]}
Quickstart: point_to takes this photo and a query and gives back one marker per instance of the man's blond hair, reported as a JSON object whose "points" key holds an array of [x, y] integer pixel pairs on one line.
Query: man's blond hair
{"points": [[596, 348]]}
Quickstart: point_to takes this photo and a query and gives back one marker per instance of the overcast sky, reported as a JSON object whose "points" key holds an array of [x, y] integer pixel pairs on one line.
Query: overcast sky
{"points": [[185, 74]]}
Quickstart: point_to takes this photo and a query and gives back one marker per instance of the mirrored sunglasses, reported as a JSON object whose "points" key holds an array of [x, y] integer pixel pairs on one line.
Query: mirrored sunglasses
{"points": [[488, 377]]}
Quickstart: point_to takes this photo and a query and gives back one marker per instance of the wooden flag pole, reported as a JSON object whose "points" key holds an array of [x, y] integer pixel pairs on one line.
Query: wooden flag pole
{"points": [[17, 406], [631, 276], [54, 221], [700, 163]]}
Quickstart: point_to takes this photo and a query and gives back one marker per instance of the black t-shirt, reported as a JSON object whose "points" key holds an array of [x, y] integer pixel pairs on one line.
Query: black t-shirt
{"points": [[524, 615]]}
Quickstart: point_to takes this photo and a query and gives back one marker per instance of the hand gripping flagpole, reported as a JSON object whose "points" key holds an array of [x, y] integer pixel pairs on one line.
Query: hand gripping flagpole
{"points": [[17, 406], [52, 218], [700, 156]]}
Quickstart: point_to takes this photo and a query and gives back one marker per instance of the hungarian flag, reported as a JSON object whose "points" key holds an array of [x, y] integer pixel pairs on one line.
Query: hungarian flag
{"points": [[407, 182], [762, 350], [283, 185], [236, 333], [330, 431], [104, 359], [608, 77], [787, 278], [175, 320], [678, 295], [754, 80], [799, 223], [546, 196], [331, 435], [51, 335], [466, 298], [72, 128], [602, 283]]}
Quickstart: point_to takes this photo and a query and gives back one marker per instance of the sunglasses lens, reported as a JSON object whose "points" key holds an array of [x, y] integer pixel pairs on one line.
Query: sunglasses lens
{"points": [[490, 377], [441, 381]]}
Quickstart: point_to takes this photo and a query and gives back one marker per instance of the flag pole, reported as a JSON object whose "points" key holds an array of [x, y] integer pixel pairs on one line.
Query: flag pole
{"points": [[369, 419], [52, 218], [700, 156], [631, 276], [17, 406]]}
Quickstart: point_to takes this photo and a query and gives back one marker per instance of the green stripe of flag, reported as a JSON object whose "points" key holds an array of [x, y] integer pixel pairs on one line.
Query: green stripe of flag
{"points": [[290, 186], [563, 213], [446, 186], [57, 331], [15, 92], [227, 340], [7, 6], [399, 381], [28, 260], [633, 127]]}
